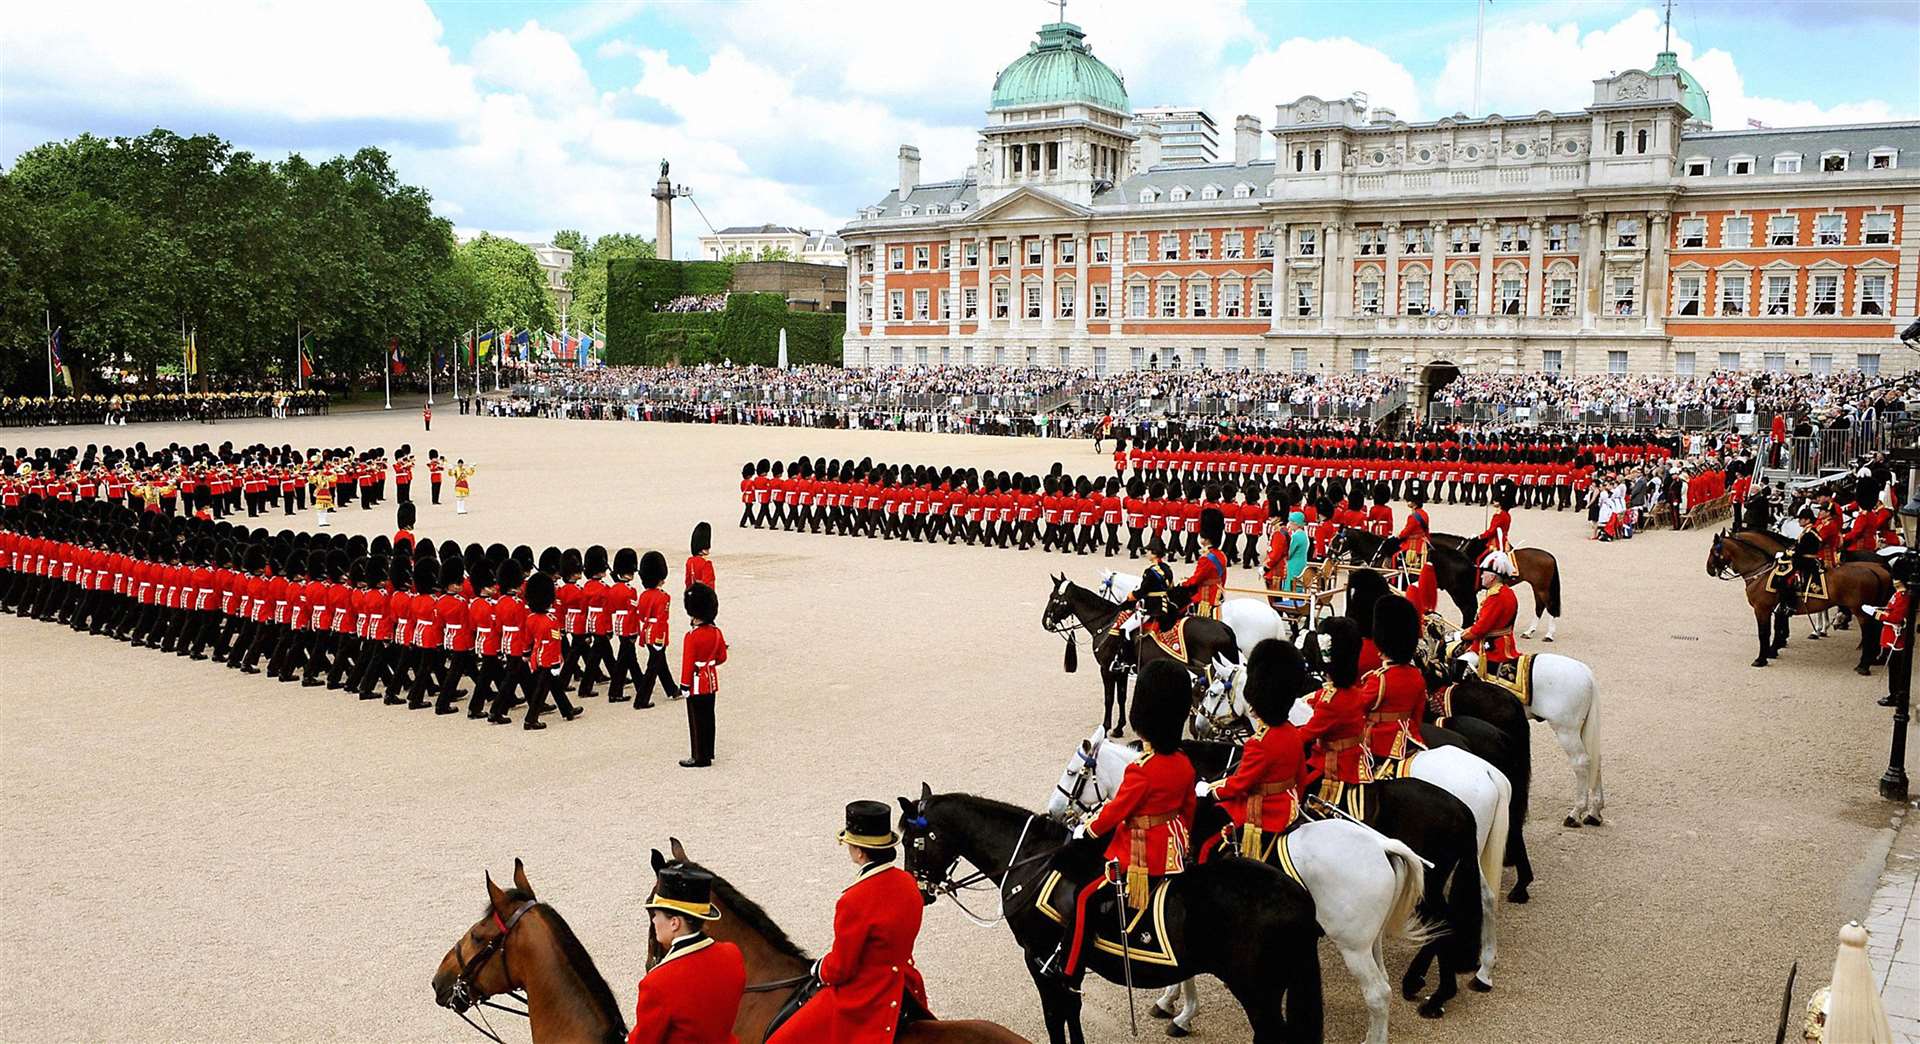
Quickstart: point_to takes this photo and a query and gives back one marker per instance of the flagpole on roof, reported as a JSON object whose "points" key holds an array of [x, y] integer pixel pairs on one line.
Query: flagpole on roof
{"points": [[1479, 49]]}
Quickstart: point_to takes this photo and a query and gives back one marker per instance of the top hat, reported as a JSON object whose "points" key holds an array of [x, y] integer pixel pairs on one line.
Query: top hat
{"points": [[869, 825], [685, 891]]}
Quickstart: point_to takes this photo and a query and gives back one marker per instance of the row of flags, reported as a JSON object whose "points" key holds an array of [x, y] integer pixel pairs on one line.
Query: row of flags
{"points": [[533, 345]]}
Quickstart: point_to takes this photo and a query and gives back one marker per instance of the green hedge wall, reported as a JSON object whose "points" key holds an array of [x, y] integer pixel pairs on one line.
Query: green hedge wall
{"points": [[747, 331]]}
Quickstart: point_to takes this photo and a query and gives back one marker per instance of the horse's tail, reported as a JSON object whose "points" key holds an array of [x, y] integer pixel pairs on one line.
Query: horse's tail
{"points": [[1409, 884], [1590, 736], [1465, 915], [1306, 1013], [1553, 584], [1493, 855]]}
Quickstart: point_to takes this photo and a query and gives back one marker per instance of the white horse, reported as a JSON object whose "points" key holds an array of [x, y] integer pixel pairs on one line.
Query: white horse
{"points": [[1365, 885], [1251, 619], [1566, 697]]}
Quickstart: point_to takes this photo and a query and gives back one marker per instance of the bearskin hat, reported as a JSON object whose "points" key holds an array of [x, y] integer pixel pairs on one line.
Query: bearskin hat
{"points": [[1396, 628], [426, 576], [256, 558], [595, 561], [539, 593], [481, 575], [1276, 676], [433, 454], [1213, 526], [379, 545], [626, 562], [702, 538], [357, 572], [400, 573], [653, 569], [549, 561], [1136, 487], [1161, 700], [523, 557], [1342, 654], [570, 563], [337, 562], [451, 573], [510, 576], [779, 469], [746, 471], [701, 603], [1382, 493]]}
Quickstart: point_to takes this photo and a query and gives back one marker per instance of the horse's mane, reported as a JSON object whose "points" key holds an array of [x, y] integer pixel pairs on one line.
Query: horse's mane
{"points": [[1011, 811], [575, 955], [751, 915]]}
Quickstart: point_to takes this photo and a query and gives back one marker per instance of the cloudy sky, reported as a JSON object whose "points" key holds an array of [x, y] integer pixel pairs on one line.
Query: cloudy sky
{"points": [[523, 116]]}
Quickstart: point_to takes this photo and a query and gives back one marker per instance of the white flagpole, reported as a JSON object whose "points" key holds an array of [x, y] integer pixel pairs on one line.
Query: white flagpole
{"points": [[299, 378], [386, 372], [431, 365], [1479, 49], [186, 361], [49, 353]]}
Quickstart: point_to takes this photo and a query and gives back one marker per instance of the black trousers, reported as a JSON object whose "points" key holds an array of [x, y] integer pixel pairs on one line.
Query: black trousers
{"points": [[596, 662], [459, 665], [436, 489], [491, 676], [700, 727], [403, 492], [625, 668], [656, 668]]}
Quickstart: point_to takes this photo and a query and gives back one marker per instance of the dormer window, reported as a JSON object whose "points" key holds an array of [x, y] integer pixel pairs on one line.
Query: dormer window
{"points": [[1834, 162], [908, 210], [959, 208], [1883, 159], [1210, 192], [933, 209], [1697, 168], [1148, 195], [1787, 163], [1243, 191], [1740, 165], [1179, 194]]}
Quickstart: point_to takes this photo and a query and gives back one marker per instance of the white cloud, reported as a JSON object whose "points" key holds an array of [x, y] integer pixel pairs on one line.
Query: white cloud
{"points": [[534, 61]]}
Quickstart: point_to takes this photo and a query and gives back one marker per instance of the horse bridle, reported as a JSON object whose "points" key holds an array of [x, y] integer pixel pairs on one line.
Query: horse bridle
{"points": [[1089, 772], [946, 885], [1726, 571], [465, 994]]}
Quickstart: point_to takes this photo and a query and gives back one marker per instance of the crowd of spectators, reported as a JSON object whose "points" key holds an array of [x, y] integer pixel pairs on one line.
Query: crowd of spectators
{"points": [[118, 408], [1815, 397], [695, 303]]}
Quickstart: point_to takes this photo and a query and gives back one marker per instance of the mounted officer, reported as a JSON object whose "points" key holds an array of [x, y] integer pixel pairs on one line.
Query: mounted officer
{"points": [[1209, 578]]}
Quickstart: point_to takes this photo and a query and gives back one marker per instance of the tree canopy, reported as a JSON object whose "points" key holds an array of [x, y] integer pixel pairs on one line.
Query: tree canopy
{"points": [[588, 277]]}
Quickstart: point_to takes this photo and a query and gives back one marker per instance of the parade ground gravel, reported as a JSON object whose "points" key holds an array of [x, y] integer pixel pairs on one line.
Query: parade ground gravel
{"points": [[189, 854]]}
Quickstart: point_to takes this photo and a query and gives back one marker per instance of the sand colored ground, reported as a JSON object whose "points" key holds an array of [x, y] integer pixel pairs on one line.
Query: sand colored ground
{"points": [[189, 854]]}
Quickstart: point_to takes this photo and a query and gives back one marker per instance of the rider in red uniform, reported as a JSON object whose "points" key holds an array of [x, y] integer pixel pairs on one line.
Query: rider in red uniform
{"points": [[1209, 578], [1399, 689], [1262, 796], [1491, 635], [1338, 729]]}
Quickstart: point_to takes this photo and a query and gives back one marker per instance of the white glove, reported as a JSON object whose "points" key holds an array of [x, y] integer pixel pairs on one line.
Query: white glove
{"points": [[1872, 610], [1079, 831], [1203, 789], [1453, 638]]}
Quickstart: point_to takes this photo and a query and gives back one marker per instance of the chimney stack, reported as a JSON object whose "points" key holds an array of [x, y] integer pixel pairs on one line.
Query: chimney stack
{"points": [[909, 169], [1246, 140], [1147, 149]]}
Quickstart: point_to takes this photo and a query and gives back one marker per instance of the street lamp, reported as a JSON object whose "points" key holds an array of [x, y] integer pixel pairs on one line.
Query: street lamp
{"points": [[1893, 782]]}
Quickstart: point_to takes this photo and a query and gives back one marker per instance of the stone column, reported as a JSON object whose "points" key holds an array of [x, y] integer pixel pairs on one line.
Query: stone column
{"points": [[1390, 293], [1279, 273], [1437, 293], [1483, 291], [853, 292], [1333, 272], [881, 315], [1116, 281], [1590, 254], [1654, 274], [1536, 268], [983, 313]]}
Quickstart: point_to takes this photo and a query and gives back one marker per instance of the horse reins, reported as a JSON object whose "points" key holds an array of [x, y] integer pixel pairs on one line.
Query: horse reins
{"points": [[950, 887], [464, 989], [1088, 771]]}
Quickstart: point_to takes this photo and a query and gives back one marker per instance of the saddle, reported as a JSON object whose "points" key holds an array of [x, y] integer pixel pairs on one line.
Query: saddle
{"points": [[1351, 798], [1515, 676], [1394, 768], [1148, 941], [1809, 586], [910, 1009], [1173, 641]]}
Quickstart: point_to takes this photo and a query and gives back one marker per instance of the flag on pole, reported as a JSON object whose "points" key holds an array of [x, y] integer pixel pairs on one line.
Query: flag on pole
{"points": [[484, 347], [586, 349], [53, 351], [193, 353], [393, 356], [306, 356]]}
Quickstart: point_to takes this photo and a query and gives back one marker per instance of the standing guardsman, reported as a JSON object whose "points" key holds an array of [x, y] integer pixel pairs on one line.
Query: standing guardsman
{"points": [[436, 470], [692, 994], [867, 976], [701, 653]]}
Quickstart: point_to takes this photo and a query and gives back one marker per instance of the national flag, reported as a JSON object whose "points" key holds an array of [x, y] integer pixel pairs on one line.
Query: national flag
{"points": [[193, 353], [306, 358], [485, 346], [521, 340], [53, 348], [586, 349], [393, 355]]}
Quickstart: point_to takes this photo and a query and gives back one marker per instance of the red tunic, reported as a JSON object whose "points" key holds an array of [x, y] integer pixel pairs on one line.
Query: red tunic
{"points": [[1393, 718], [1492, 630], [510, 614], [484, 626], [622, 603], [1155, 797], [700, 571], [456, 627], [1338, 728], [542, 641], [869, 970], [653, 610], [1893, 635], [692, 996], [1268, 775], [701, 655], [593, 598]]}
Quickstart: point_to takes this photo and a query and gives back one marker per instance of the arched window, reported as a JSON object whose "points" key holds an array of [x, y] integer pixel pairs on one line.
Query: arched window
{"points": [[1300, 159], [1619, 143], [1316, 159], [1640, 141]]}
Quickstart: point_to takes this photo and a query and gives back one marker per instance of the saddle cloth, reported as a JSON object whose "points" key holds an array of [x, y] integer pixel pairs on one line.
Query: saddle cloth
{"points": [[1520, 685], [1174, 642], [1147, 940], [1811, 587], [1278, 853], [1351, 798], [1394, 768]]}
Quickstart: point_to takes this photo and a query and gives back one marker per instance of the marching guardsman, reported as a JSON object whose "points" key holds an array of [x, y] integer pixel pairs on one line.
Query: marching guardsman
{"points": [[653, 608], [404, 517], [483, 626], [1262, 796], [748, 487], [542, 655], [463, 473], [1209, 578], [868, 978], [1146, 822], [596, 629], [436, 470], [623, 620], [692, 994], [1491, 635], [456, 636], [700, 557], [403, 474], [510, 619], [702, 652], [1400, 690]]}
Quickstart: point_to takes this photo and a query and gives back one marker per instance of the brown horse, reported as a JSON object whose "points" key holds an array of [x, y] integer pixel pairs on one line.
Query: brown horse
{"points": [[776, 968], [1537, 568], [1850, 585], [521, 945]]}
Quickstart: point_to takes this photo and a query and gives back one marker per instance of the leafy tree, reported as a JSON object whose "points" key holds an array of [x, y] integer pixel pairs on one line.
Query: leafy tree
{"points": [[512, 287], [588, 277], [767, 253]]}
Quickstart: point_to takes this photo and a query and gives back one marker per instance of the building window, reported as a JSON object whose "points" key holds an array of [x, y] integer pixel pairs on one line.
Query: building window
{"points": [[1414, 293], [897, 258], [1736, 231], [1316, 159], [1620, 143], [1740, 165], [946, 255], [946, 306], [1876, 229], [1556, 238], [1169, 247], [1787, 163], [1833, 163], [898, 355], [1069, 252], [1299, 361], [970, 254], [1623, 295], [1099, 362], [1733, 294], [1232, 245], [1210, 192], [1369, 296], [970, 304], [1102, 250], [866, 306], [1730, 360], [1867, 364], [897, 305], [1033, 356], [1550, 360], [1100, 300], [1200, 300], [1626, 232], [1169, 300], [1881, 159], [1230, 358], [1779, 295], [1693, 232], [1826, 294], [920, 257], [920, 304], [1303, 297], [1137, 358], [1137, 248], [866, 260], [1002, 253], [1230, 300], [1002, 301], [1417, 241], [1372, 241], [1457, 236], [1263, 244], [1872, 294], [1829, 229], [1263, 300], [1513, 239], [1640, 142], [1031, 296], [1560, 296], [1686, 295], [946, 355], [1360, 360], [1308, 241], [1462, 302], [1032, 252], [1179, 194], [1616, 361], [1782, 229], [1820, 364], [999, 355], [1201, 244], [1243, 191], [1775, 362], [1137, 300], [1696, 168], [1683, 363], [1510, 292], [1064, 299], [1146, 195], [920, 355]]}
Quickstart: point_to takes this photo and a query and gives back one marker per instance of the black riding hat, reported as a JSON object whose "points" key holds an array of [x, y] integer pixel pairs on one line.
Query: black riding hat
{"points": [[685, 891], [869, 825]]}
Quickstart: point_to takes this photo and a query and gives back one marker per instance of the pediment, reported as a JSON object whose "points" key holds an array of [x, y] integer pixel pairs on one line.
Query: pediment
{"points": [[1027, 204]]}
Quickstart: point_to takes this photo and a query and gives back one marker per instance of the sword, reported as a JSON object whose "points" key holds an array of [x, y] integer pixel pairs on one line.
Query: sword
{"points": [[1126, 952]]}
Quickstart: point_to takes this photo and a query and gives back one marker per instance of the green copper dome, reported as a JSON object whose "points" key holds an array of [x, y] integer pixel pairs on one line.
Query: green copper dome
{"points": [[1060, 67], [1692, 95]]}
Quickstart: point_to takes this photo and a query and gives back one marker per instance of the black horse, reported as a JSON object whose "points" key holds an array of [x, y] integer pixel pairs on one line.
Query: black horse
{"points": [[1109, 654], [1452, 569], [1070, 606], [1246, 923]]}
